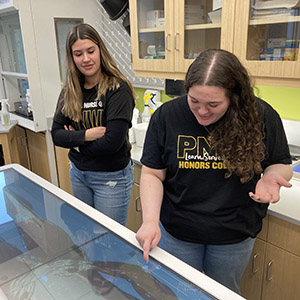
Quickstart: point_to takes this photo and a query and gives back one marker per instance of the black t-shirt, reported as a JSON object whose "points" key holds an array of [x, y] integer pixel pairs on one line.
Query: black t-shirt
{"points": [[114, 111], [199, 204]]}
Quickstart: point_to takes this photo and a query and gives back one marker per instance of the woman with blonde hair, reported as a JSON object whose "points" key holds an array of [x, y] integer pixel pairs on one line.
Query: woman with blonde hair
{"points": [[92, 119]]}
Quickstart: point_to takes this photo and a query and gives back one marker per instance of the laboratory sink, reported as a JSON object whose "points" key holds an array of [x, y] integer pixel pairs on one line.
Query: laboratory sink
{"points": [[295, 152]]}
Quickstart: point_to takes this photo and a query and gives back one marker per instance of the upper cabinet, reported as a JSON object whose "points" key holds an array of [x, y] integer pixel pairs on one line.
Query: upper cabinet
{"points": [[266, 39], [167, 35]]}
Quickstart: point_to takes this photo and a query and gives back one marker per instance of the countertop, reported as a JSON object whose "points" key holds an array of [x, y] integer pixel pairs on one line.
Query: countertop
{"points": [[8, 128], [288, 208], [136, 154]]}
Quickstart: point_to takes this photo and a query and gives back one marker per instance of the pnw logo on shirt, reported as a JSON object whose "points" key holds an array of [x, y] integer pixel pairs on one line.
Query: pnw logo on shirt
{"points": [[92, 114], [194, 153]]}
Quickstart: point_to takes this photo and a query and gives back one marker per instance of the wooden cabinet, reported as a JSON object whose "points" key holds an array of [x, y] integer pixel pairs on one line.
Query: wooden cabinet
{"points": [[33, 151], [134, 220], [251, 283], [22, 145], [267, 45], [63, 168], [281, 274], [165, 46], [37, 146], [273, 270]]}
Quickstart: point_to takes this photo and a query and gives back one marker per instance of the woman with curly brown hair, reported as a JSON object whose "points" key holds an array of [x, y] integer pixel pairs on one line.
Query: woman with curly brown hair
{"points": [[212, 162]]}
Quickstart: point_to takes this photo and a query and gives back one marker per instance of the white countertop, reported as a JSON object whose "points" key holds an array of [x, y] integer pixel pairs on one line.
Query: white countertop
{"points": [[8, 128], [288, 207]]}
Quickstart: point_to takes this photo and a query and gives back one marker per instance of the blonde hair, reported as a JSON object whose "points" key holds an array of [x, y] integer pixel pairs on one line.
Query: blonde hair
{"points": [[110, 74]]}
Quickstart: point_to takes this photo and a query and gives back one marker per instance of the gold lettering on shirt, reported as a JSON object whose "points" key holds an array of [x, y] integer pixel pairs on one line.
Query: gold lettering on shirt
{"points": [[194, 153]]}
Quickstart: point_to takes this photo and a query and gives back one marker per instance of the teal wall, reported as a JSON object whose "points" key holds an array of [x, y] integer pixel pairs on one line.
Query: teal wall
{"points": [[286, 101]]}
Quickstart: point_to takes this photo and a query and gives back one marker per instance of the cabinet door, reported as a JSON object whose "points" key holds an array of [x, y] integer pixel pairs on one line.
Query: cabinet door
{"points": [[38, 154], [151, 36], [252, 280], [281, 275], [284, 234], [267, 40], [23, 149], [134, 219], [201, 25], [63, 169]]}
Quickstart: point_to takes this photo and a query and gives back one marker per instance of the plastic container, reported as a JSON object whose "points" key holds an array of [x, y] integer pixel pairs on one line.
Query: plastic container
{"points": [[134, 122], [146, 115], [140, 133], [290, 50], [5, 118]]}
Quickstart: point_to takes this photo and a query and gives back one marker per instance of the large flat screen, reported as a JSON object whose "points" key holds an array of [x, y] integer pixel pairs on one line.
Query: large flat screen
{"points": [[51, 250]]}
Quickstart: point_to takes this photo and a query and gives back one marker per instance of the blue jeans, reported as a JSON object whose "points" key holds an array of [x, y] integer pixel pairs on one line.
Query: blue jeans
{"points": [[108, 192], [223, 263]]}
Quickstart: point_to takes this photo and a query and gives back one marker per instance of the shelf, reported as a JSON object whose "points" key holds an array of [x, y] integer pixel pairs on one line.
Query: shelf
{"points": [[186, 27], [149, 30], [275, 20], [202, 26]]}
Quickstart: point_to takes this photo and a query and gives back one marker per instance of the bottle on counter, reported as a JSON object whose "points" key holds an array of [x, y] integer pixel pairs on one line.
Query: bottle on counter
{"points": [[5, 118], [146, 115], [134, 121]]}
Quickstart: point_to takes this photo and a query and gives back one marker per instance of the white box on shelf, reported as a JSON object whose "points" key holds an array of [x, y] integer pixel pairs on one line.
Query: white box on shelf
{"points": [[215, 15], [155, 23], [154, 14], [151, 23], [276, 42], [160, 22], [217, 4]]}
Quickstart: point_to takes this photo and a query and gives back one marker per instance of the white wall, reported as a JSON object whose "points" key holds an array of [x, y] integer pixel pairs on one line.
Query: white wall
{"points": [[38, 29]]}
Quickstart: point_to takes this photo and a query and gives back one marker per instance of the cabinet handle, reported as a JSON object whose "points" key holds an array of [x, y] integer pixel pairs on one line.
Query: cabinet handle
{"points": [[167, 41], [175, 41], [254, 269], [137, 207], [268, 277]]}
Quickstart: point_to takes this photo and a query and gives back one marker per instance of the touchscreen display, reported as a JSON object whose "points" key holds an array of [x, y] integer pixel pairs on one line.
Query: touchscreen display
{"points": [[50, 250]]}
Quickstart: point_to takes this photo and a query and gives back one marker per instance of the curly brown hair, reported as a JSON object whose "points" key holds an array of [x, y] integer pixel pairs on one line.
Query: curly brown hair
{"points": [[239, 136]]}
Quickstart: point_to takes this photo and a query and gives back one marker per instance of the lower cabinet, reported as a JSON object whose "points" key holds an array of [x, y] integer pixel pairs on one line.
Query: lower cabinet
{"points": [[63, 168], [33, 151], [134, 219], [23, 148], [282, 275], [251, 283], [273, 270]]}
